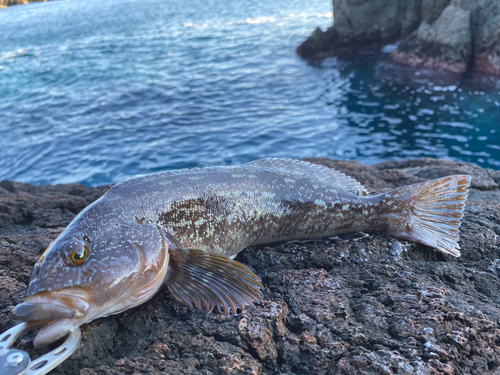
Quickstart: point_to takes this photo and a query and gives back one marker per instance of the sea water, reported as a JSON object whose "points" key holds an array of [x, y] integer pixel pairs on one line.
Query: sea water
{"points": [[95, 91]]}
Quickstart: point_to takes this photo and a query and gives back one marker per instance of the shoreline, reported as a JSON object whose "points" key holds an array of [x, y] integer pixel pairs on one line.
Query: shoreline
{"points": [[328, 307], [442, 35], [8, 3]]}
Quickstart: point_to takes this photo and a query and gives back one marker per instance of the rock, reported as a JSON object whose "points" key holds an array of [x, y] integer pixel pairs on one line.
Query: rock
{"points": [[453, 35], [373, 306], [444, 45], [6, 3], [369, 21], [430, 10], [447, 42], [451, 28], [486, 18], [316, 45], [363, 24]]}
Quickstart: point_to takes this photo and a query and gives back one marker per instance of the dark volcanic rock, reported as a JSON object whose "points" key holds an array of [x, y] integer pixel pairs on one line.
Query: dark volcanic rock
{"points": [[375, 306]]}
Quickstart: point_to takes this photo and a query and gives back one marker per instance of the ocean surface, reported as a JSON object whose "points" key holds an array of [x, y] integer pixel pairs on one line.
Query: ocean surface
{"points": [[94, 91]]}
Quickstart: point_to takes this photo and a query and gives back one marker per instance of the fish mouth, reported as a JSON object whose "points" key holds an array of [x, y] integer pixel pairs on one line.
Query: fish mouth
{"points": [[27, 312], [64, 310], [54, 305]]}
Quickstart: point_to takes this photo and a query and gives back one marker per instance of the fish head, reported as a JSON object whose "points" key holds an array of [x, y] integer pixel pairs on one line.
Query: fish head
{"points": [[81, 277]]}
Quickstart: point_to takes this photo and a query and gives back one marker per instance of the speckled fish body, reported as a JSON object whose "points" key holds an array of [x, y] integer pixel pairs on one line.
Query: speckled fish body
{"points": [[182, 228], [225, 210]]}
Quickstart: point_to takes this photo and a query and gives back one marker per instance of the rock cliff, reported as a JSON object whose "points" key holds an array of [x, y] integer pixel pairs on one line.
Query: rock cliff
{"points": [[374, 306], [453, 35], [6, 3]]}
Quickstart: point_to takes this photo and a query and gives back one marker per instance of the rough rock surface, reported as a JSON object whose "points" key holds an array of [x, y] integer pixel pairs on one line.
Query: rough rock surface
{"points": [[6, 3], [374, 306], [444, 45], [453, 35], [362, 24], [485, 21]]}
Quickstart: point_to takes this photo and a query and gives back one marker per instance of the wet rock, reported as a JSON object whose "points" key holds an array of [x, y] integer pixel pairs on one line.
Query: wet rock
{"points": [[430, 10], [453, 35], [444, 45], [486, 18], [373, 306], [6, 3], [363, 24], [484, 45]]}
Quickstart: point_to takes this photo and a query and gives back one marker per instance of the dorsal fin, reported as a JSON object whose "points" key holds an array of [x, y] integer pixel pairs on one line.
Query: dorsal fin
{"points": [[314, 171]]}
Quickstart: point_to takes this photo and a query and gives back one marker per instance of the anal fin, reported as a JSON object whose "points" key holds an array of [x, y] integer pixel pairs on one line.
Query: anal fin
{"points": [[352, 236], [339, 238], [206, 281]]}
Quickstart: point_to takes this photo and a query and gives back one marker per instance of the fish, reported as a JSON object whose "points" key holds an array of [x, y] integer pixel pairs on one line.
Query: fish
{"points": [[182, 229]]}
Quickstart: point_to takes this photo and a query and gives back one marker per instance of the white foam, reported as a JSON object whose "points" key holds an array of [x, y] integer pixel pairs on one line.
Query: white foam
{"points": [[308, 15], [257, 20]]}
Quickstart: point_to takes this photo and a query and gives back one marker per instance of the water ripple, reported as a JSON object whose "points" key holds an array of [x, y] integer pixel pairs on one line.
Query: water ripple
{"points": [[98, 91]]}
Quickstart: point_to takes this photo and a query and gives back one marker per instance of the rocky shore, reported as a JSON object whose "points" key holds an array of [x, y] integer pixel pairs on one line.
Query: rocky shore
{"points": [[6, 3], [452, 35], [374, 306]]}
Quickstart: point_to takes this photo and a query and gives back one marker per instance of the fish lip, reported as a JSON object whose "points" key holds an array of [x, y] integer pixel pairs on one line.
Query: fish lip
{"points": [[54, 305], [53, 331], [27, 312]]}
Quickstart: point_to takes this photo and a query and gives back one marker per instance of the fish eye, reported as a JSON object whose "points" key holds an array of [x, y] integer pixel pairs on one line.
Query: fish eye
{"points": [[80, 255]]}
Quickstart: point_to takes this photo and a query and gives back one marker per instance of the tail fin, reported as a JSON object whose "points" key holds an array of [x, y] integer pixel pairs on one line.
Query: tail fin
{"points": [[436, 208]]}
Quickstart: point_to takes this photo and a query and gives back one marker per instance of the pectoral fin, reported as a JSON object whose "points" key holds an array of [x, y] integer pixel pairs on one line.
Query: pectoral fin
{"points": [[208, 280]]}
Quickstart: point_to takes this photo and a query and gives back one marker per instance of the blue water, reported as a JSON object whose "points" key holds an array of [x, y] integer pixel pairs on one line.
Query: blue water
{"points": [[95, 91]]}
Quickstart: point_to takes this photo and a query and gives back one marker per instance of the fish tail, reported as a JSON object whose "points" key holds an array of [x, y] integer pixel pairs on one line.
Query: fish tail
{"points": [[431, 212]]}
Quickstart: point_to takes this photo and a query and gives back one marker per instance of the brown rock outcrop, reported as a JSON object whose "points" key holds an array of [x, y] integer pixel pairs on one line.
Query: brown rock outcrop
{"points": [[374, 306]]}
